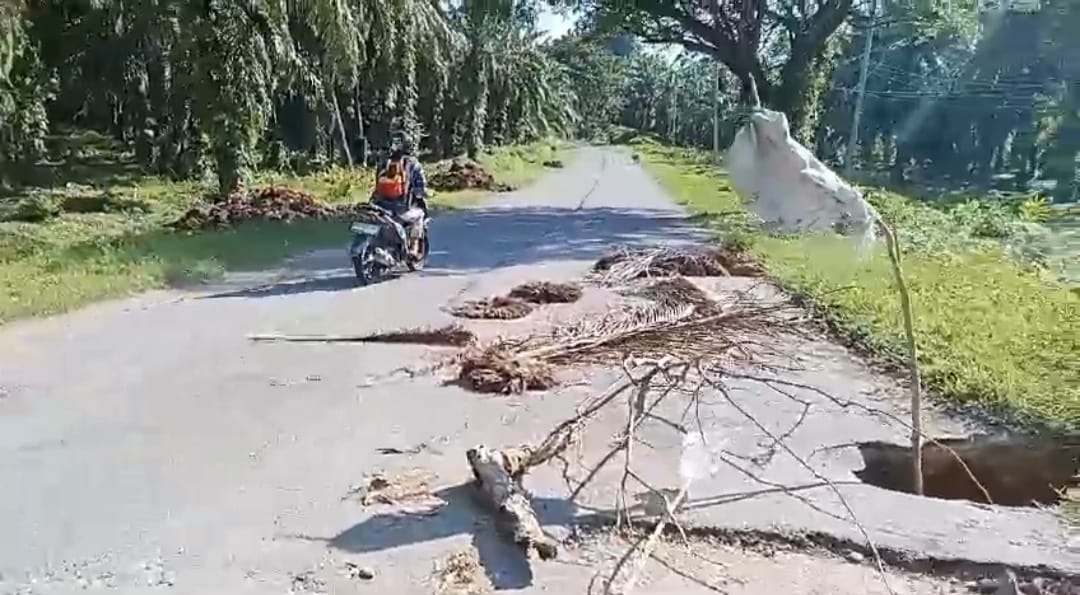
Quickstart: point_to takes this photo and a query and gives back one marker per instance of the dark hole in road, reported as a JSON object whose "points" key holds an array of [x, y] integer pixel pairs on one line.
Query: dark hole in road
{"points": [[1011, 471]]}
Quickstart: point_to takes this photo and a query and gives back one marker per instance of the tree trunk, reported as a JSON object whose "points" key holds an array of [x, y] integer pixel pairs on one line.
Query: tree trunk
{"points": [[340, 125], [361, 137], [809, 43]]}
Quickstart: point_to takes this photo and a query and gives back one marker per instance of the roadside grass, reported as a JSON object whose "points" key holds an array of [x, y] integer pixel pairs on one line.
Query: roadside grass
{"points": [[75, 258], [991, 332]]}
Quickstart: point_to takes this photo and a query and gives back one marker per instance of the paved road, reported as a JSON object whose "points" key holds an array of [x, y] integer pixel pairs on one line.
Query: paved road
{"points": [[146, 442]]}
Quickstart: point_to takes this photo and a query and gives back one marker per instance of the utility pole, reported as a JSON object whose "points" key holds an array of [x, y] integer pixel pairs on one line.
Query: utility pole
{"points": [[860, 94], [716, 89]]}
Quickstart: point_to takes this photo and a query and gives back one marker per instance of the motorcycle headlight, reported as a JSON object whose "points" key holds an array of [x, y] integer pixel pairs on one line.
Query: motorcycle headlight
{"points": [[369, 229]]}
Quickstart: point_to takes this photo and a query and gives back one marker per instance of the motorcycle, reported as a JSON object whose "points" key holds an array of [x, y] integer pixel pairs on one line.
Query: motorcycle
{"points": [[380, 243]]}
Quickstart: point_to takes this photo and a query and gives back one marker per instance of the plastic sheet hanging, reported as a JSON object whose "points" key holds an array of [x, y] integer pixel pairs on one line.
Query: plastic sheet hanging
{"points": [[788, 188]]}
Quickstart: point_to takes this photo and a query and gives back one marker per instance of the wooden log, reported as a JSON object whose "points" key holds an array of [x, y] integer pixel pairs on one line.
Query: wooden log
{"points": [[498, 477]]}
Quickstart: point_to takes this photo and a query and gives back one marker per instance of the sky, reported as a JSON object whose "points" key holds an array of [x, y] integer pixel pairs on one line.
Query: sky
{"points": [[553, 24]]}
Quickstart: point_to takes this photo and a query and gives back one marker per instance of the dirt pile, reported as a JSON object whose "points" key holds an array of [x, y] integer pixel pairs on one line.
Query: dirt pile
{"points": [[463, 174], [270, 203], [691, 261]]}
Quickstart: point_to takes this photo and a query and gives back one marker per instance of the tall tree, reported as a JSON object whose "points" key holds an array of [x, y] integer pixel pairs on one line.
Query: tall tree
{"points": [[231, 86], [777, 43]]}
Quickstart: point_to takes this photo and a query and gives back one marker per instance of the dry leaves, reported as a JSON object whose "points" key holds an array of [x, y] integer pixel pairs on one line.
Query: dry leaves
{"points": [[692, 261], [409, 487], [460, 574]]}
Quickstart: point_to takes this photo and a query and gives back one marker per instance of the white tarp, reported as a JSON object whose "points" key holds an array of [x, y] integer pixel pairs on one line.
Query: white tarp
{"points": [[787, 187]]}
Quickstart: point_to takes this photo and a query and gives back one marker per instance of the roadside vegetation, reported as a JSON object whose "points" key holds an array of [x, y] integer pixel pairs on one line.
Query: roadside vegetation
{"points": [[115, 118], [968, 117], [101, 231], [991, 329], [978, 126]]}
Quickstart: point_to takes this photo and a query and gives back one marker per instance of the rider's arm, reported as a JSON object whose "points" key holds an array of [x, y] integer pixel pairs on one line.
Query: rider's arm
{"points": [[418, 182], [375, 182]]}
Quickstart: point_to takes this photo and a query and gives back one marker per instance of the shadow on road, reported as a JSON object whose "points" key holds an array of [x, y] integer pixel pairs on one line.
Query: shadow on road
{"points": [[483, 239], [319, 284], [506, 566]]}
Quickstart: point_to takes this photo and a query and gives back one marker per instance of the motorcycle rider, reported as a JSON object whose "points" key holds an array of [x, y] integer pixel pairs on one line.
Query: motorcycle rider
{"points": [[400, 182]]}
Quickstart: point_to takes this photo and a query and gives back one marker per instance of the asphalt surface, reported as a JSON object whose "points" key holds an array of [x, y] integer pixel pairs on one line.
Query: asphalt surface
{"points": [[148, 444]]}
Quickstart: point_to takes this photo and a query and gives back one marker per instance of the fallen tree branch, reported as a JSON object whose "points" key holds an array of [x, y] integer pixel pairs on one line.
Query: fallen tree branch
{"points": [[843, 501], [564, 434], [622, 440], [646, 545], [498, 475]]}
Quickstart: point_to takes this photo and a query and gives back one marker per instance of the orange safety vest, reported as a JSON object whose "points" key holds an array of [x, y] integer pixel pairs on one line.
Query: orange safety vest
{"points": [[391, 182]]}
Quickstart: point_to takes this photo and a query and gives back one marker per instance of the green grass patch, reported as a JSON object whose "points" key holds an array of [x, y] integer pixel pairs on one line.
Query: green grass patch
{"points": [[991, 331], [103, 234]]}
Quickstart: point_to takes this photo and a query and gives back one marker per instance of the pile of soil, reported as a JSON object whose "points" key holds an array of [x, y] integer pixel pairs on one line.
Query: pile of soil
{"points": [[493, 308], [696, 261], [464, 174], [547, 292], [271, 203]]}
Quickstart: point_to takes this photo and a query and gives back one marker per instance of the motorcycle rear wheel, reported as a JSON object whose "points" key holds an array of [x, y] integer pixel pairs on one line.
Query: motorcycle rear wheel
{"points": [[417, 264], [367, 270]]}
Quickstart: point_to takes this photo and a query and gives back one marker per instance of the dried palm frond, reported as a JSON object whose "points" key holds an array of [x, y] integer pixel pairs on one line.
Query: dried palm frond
{"points": [[497, 369], [452, 335], [673, 292], [692, 261], [680, 321], [547, 292], [494, 308]]}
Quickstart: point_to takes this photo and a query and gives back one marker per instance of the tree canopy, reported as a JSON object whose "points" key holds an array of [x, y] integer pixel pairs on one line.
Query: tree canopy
{"points": [[231, 85], [224, 87]]}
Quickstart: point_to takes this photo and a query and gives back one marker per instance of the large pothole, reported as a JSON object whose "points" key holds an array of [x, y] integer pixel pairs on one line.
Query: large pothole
{"points": [[985, 469]]}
